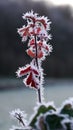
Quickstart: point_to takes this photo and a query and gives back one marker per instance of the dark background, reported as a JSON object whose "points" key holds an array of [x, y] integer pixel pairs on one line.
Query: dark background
{"points": [[12, 52]]}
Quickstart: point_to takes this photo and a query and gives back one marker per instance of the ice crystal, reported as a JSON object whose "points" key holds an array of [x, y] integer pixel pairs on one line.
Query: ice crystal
{"points": [[19, 115]]}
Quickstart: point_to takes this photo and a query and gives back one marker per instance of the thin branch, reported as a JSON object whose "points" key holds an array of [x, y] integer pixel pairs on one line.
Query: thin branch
{"points": [[39, 92], [19, 118]]}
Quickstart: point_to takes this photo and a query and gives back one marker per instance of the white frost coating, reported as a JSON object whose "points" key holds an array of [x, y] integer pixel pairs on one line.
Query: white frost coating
{"points": [[41, 81], [30, 29], [20, 128], [21, 69], [44, 25], [67, 120], [47, 21], [59, 115], [38, 106], [49, 48], [35, 111], [30, 14], [16, 113], [19, 30], [24, 38], [68, 101], [63, 122], [36, 29], [35, 76], [34, 66], [50, 37], [25, 33], [56, 113], [71, 124], [36, 81], [16, 128]]}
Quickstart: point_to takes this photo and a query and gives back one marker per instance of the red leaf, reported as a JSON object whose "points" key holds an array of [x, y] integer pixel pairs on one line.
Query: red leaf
{"points": [[35, 71], [30, 81], [42, 21], [32, 42], [47, 48], [40, 44], [33, 54], [34, 84], [38, 31], [30, 53], [25, 71], [32, 18], [29, 78], [40, 54]]}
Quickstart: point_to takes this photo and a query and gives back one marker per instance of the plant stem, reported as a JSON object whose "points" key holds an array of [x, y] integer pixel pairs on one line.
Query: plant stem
{"points": [[39, 95], [20, 119], [39, 92]]}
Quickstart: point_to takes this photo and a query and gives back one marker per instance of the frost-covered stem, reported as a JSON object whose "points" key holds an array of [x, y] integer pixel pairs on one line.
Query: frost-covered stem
{"points": [[36, 53], [39, 95], [39, 92], [20, 119], [22, 123]]}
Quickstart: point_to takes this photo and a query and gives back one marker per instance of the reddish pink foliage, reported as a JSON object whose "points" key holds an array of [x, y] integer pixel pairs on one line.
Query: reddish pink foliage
{"points": [[40, 46], [33, 54], [32, 18], [31, 82], [31, 73], [32, 42], [42, 21], [37, 31], [25, 71]]}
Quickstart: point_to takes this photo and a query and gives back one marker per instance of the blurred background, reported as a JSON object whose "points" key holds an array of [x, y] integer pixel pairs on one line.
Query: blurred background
{"points": [[12, 51], [58, 67]]}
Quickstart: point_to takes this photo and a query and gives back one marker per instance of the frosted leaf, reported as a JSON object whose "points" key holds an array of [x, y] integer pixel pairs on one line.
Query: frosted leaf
{"points": [[45, 21], [43, 33], [19, 30], [40, 122], [32, 83], [34, 66], [24, 38], [68, 101], [38, 19], [64, 122], [40, 82], [23, 33], [32, 79], [30, 29], [30, 15], [23, 70]]}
